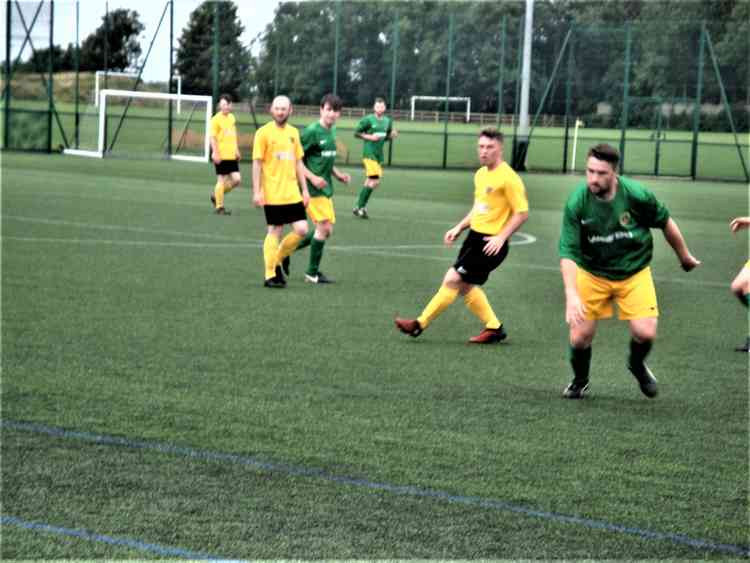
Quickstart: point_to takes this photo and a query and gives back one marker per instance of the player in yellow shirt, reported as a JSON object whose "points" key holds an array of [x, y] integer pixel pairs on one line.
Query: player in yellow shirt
{"points": [[741, 283], [500, 208], [225, 153], [279, 187]]}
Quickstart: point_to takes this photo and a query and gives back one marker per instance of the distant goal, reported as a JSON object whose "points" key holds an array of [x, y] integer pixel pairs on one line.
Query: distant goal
{"points": [[467, 101], [137, 124]]}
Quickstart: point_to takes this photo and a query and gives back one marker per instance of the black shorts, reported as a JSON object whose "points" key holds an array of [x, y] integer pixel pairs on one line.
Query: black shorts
{"points": [[472, 264], [285, 214], [227, 167]]}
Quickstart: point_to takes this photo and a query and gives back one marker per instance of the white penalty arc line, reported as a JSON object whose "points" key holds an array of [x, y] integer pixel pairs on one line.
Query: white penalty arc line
{"points": [[519, 238], [366, 250], [405, 490]]}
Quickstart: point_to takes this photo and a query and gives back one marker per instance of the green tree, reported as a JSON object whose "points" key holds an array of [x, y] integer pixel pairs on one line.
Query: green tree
{"points": [[119, 32], [194, 58]]}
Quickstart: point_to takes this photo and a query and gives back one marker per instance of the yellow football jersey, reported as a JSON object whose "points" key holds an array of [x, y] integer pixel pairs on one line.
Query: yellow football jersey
{"points": [[224, 129], [278, 149], [498, 194]]}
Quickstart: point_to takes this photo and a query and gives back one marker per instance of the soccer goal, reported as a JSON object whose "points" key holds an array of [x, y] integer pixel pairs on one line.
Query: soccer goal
{"points": [[137, 124], [102, 73], [415, 99]]}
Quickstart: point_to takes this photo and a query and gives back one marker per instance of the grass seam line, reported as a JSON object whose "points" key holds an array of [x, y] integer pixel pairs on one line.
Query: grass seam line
{"points": [[407, 490]]}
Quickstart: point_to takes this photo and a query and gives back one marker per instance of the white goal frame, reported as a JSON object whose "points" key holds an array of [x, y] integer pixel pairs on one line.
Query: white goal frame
{"points": [[99, 73], [442, 99], [103, 94]]}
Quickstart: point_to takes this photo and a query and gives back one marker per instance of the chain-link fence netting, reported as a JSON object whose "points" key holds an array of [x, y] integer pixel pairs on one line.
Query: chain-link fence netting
{"points": [[670, 92]]}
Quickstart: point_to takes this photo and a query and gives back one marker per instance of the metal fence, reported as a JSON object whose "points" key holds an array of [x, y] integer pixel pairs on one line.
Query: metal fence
{"points": [[666, 98]]}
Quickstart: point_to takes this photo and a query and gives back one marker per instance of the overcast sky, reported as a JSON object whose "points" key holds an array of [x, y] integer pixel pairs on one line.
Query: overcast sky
{"points": [[254, 15]]}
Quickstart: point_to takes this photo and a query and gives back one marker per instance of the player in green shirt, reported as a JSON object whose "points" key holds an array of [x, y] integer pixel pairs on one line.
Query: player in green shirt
{"points": [[319, 144], [374, 130], [605, 251]]}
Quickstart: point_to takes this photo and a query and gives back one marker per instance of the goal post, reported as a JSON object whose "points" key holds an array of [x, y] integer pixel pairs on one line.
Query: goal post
{"points": [[100, 73], [191, 133], [415, 99]]}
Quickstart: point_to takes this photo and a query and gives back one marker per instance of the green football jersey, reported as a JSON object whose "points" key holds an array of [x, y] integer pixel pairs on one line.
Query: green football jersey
{"points": [[319, 145], [611, 239], [370, 124]]}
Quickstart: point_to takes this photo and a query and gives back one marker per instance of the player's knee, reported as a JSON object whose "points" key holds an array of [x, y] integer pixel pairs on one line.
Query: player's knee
{"points": [[300, 228], [581, 337], [452, 279], [323, 230]]}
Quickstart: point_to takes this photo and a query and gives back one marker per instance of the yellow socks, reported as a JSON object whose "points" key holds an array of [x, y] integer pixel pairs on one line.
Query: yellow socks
{"points": [[219, 190], [476, 301], [270, 250], [219, 194], [439, 303], [288, 246]]}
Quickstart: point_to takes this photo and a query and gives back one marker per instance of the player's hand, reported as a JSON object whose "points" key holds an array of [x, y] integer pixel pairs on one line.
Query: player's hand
{"points": [[451, 235], [739, 223], [345, 178], [306, 197], [216, 159], [575, 314], [238, 156], [494, 245], [689, 262], [319, 182], [258, 199]]}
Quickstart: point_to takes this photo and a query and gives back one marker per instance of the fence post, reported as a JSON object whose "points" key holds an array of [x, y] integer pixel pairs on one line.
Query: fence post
{"points": [[170, 82], [394, 63], [215, 58], [502, 71], [448, 88], [625, 96], [568, 98], [336, 48], [697, 103], [51, 79], [77, 64]]}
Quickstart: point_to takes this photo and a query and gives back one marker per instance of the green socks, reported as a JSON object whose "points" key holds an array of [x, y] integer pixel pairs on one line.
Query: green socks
{"points": [[743, 298], [580, 361], [306, 241], [316, 253], [364, 197]]}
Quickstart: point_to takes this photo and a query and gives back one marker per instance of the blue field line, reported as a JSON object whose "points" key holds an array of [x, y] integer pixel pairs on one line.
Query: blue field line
{"points": [[407, 490], [123, 542]]}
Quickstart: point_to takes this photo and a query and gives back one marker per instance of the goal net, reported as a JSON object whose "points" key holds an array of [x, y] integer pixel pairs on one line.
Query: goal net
{"points": [[433, 99], [142, 125]]}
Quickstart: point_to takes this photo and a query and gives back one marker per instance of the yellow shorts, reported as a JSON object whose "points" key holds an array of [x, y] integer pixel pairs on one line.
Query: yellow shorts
{"points": [[372, 168], [321, 209], [635, 296]]}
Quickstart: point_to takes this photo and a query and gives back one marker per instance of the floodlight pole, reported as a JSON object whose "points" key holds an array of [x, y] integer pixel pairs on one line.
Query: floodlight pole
{"points": [[519, 158]]}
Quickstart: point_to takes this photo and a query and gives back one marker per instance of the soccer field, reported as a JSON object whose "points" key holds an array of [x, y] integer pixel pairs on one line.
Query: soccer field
{"points": [[157, 401]]}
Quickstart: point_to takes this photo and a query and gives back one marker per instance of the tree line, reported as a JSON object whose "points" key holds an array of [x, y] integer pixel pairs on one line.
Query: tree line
{"points": [[297, 51]]}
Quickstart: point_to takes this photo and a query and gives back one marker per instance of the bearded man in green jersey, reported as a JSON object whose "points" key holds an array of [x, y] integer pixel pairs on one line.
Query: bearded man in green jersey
{"points": [[319, 144], [374, 129], [605, 251]]}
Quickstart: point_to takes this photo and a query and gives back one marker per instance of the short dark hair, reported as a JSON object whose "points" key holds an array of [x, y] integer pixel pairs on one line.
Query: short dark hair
{"points": [[605, 152], [332, 100], [379, 100], [227, 97], [492, 133]]}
